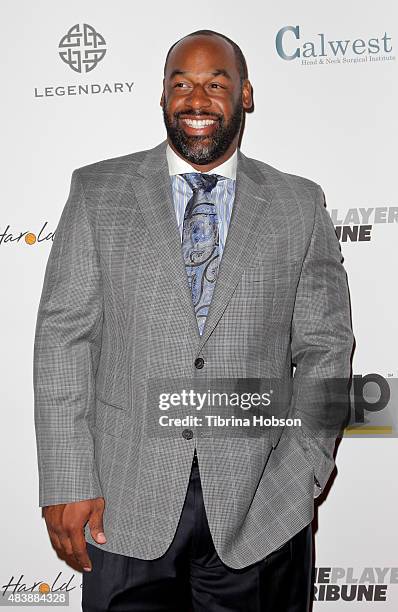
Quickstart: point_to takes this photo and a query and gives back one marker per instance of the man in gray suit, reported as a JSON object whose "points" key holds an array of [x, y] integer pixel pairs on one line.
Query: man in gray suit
{"points": [[189, 262]]}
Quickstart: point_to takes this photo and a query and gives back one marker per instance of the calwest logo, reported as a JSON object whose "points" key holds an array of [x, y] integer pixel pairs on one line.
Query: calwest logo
{"points": [[289, 46], [82, 48]]}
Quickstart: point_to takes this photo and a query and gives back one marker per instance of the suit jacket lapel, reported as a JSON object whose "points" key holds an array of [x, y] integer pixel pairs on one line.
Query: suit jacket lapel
{"points": [[155, 198], [153, 192]]}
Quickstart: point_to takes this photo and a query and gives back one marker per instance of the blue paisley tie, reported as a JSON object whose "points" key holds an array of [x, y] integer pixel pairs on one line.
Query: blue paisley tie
{"points": [[200, 242]]}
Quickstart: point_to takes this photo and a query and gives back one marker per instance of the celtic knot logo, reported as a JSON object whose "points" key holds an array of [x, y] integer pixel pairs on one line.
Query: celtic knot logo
{"points": [[82, 48]]}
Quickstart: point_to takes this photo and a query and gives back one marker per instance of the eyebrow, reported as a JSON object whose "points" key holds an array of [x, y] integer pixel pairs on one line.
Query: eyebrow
{"points": [[217, 72]]}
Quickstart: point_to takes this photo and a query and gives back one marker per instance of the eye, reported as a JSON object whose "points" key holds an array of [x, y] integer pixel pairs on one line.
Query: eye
{"points": [[181, 85], [216, 86]]}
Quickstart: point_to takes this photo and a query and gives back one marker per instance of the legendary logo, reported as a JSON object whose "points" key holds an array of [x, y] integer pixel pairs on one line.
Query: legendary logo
{"points": [[82, 48]]}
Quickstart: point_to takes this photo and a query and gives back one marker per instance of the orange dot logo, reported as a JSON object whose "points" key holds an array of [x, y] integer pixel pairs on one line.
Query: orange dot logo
{"points": [[44, 587], [30, 238]]}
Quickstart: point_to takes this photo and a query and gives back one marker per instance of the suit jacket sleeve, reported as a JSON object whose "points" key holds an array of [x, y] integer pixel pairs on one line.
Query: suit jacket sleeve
{"points": [[66, 353], [321, 343]]}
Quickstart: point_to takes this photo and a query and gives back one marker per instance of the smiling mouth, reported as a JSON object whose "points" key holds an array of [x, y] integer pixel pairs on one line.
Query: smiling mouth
{"points": [[198, 124]]}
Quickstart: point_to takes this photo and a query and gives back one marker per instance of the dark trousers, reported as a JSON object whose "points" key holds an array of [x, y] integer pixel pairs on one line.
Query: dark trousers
{"points": [[190, 576]]}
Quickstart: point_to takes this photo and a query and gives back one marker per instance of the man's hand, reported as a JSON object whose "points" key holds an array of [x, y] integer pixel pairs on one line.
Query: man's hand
{"points": [[65, 525]]}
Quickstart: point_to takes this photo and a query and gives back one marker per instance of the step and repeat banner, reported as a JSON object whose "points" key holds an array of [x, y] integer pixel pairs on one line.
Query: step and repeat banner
{"points": [[81, 81]]}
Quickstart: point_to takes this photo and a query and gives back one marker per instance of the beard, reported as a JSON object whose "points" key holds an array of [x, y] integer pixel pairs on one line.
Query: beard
{"points": [[201, 149]]}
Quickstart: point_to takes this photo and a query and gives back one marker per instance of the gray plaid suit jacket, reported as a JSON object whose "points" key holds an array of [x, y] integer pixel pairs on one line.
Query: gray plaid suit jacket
{"points": [[116, 309]]}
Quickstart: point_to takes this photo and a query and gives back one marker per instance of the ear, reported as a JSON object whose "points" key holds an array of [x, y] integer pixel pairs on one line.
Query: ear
{"points": [[247, 95]]}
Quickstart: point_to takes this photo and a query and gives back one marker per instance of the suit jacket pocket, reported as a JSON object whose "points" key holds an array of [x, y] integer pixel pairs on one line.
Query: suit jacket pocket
{"points": [[109, 418], [272, 287], [268, 272]]}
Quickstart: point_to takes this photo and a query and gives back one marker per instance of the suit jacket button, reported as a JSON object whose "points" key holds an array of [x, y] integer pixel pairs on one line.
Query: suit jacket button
{"points": [[199, 363], [187, 434]]}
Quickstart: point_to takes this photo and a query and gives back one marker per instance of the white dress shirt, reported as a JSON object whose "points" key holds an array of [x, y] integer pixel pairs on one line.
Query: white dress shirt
{"points": [[177, 165]]}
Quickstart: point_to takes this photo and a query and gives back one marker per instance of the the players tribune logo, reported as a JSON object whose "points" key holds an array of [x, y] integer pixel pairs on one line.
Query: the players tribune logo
{"points": [[82, 48]]}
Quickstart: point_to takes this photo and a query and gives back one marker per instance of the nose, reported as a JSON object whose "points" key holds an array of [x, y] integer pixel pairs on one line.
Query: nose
{"points": [[198, 98]]}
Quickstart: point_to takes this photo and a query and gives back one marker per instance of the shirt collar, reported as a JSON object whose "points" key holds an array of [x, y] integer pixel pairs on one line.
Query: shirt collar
{"points": [[177, 165]]}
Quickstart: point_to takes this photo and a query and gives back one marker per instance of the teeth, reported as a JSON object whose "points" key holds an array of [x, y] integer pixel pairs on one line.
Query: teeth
{"points": [[198, 123]]}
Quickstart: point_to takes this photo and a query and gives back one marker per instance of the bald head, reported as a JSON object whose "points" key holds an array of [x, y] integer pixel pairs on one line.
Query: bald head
{"points": [[239, 57]]}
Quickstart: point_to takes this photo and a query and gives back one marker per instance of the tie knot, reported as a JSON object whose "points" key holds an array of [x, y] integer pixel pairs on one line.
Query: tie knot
{"points": [[198, 180]]}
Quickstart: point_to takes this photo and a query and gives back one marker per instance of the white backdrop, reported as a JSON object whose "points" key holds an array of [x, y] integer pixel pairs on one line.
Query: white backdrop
{"points": [[335, 123]]}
